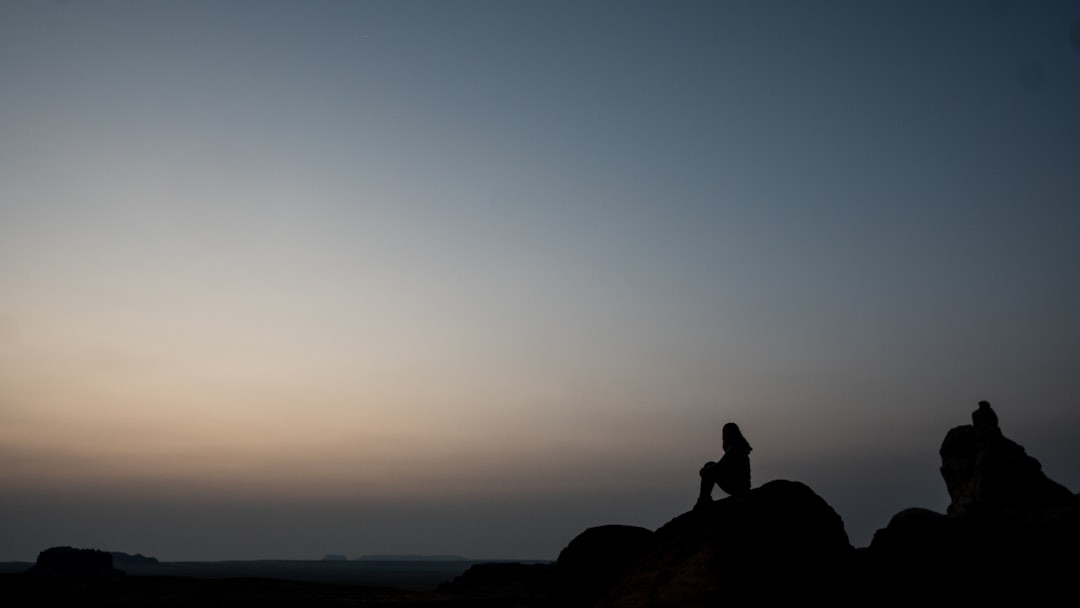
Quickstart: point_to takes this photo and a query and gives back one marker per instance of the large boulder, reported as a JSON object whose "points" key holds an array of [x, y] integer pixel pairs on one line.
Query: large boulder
{"points": [[778, 541], [593, 562]]}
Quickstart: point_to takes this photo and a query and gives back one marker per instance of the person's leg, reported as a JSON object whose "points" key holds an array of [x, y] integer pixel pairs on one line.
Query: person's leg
{"points": [[707, 481]]}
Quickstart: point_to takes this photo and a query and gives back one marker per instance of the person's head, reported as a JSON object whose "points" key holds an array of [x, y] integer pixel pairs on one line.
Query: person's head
{"points": [[733, 437]]}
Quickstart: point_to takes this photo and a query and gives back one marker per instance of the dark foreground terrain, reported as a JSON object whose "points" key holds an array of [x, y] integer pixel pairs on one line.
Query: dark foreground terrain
{"points": [[257, 583], [182, 591]]}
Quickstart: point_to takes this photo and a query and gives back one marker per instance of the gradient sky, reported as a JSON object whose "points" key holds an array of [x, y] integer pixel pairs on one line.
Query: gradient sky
{"points": [[282, 279]]}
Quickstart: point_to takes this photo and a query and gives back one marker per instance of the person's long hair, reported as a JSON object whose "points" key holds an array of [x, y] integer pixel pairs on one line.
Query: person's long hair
{"points": [[733, 438]]}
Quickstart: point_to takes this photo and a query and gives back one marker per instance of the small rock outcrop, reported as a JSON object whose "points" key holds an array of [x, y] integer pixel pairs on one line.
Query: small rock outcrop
{"points": [[68, 561]]}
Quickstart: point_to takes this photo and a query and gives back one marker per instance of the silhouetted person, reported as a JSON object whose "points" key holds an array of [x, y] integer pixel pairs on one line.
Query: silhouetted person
{"points": [[985, 422], [732, 473]]}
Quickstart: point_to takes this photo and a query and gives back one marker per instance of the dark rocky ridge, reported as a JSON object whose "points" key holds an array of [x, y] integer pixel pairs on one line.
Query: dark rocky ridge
{"points": [[1009, 531]]}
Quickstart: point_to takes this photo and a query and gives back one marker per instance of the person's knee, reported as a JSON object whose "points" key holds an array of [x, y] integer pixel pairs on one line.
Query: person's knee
{"points": [[708, 469]]}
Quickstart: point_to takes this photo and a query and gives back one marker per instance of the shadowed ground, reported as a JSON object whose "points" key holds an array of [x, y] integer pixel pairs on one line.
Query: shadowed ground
{"points": [[248, 583]]}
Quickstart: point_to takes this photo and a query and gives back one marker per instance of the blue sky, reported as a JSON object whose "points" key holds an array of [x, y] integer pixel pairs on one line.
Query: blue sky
{"points": [[470, 277]]}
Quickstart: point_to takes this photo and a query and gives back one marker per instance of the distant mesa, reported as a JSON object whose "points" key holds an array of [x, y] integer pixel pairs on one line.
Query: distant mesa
{"points": [[71, 562], [407, 557], [335, 557], [121, 559]]}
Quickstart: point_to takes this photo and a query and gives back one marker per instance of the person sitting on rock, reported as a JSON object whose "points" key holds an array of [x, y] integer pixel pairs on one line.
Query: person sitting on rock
{"points": [[732, 473], [985, 422]]}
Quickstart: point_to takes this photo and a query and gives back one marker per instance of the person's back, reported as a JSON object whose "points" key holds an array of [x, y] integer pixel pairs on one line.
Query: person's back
{"points": [[733, 476]]}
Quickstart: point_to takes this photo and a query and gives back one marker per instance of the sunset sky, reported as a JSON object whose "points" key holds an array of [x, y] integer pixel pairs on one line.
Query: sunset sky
{"points": [[283, 279]]}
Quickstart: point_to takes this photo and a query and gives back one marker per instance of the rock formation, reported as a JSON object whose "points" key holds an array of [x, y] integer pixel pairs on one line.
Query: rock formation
{"points": [[778, 541], [984, 470], [68, 561], [1008, 527]]}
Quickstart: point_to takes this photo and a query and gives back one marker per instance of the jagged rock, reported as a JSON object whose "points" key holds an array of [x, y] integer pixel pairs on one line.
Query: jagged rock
{"points": [[780, 540], [1008, 528], [68, 561], [984, 470]]}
